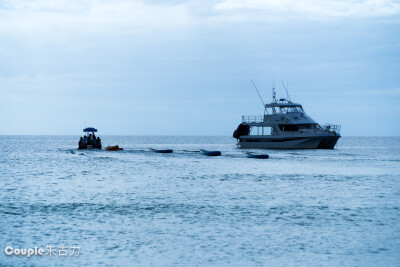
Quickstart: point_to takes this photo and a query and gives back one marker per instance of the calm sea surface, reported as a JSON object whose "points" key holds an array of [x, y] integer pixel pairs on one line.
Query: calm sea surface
{"points": [[138, 208]]}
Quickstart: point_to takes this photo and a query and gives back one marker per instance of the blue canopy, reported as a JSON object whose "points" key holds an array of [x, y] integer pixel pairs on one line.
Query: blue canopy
{"points": [[90, 129]]}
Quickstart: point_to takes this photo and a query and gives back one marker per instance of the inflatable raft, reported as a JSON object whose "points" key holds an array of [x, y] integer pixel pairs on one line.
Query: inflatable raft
{"points": [[210, 153], [257, 156], [162, 150], [114, 148]]}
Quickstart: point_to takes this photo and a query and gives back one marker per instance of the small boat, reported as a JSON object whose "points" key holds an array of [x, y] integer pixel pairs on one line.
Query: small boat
{"points": [[89, 140], [114, 148], [257, 156], [164, 151], [210, 153]]}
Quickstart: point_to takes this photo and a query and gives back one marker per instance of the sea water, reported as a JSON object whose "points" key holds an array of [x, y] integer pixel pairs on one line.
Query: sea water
{"points": [[139, 208]]}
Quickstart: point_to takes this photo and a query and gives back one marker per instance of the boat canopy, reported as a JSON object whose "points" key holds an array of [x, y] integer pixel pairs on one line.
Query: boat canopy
{"points": [[90, 129], [283, 105]]}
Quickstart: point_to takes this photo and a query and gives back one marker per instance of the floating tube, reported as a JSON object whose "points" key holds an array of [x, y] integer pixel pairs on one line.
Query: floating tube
{"points": [[257, 156], [114, 148], [210, 153], [162, 150]]}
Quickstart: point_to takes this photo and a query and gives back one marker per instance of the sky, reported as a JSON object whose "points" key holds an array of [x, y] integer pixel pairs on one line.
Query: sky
{"points": [[185, 67]]}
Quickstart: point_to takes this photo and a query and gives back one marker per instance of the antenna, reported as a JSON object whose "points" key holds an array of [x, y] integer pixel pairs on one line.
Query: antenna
{"points": [[287, 92], [273, 91], [258, 93]]}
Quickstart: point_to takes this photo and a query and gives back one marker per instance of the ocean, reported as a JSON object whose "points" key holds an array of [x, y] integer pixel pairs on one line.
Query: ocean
{"points": [[134, 207]]}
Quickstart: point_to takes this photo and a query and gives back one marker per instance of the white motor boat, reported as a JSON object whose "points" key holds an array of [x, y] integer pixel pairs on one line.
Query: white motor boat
{"points": [[285, 125]]}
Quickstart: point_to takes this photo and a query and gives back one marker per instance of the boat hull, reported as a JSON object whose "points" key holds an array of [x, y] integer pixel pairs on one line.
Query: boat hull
{"points": [[321, 142], [328, 142]]}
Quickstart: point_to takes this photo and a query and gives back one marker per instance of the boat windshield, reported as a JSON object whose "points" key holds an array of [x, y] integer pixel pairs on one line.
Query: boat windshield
{"points": [[285, 110]]}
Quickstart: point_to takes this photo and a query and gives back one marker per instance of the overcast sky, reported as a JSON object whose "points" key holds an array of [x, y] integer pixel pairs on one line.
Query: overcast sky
{"points": [[185, 67]]}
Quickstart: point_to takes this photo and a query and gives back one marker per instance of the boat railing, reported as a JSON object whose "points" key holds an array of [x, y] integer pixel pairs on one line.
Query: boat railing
{"points": [[332, 128], [252, 118]]}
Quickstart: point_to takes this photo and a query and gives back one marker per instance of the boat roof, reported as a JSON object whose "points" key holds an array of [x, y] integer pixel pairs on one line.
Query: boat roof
{"points": [[90, 129], [283, 105]]}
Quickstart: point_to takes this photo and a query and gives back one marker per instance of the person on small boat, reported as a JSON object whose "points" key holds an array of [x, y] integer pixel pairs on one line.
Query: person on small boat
{"points": [[80, 144], [84, 142], [98, 143], [93, 141]]}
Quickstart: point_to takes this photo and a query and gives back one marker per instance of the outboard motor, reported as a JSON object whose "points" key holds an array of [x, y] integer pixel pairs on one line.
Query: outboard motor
{"points": [[241, 130]]}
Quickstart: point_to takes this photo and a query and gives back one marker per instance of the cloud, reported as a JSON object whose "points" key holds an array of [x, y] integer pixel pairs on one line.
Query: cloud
{"points": [[311, 9], [90, 16], [21, 17]]}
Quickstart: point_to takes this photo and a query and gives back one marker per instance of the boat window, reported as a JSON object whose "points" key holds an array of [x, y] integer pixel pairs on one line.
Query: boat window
{"points": [[286, 110], [256, 130], [269, 111], [297, 127], [310, 126], [288, 127]]}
